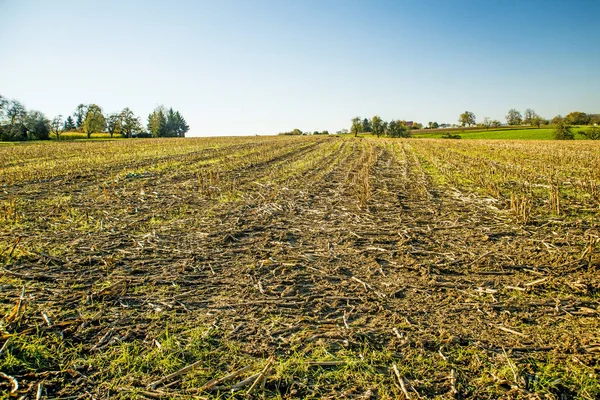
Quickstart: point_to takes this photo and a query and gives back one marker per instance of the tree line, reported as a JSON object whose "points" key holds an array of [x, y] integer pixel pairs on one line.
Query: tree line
{"points": [[563, 126], [17, 123], [530, 118], [299, 132], [379, 127]]}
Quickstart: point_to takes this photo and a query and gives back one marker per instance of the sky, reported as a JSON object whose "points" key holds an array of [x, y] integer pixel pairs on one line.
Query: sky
{"points": [[247, 67]]}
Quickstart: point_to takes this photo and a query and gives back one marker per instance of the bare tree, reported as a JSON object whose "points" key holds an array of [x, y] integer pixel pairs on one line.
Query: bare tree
{"points": [[56, 126]]}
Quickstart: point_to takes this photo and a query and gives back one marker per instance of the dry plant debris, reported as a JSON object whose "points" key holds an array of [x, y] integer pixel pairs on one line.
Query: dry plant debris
{"points": [[303, 267]]}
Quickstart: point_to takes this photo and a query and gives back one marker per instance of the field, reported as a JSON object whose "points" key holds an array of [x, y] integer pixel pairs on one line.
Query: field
{"points": [[500, 133], [300, 267]]}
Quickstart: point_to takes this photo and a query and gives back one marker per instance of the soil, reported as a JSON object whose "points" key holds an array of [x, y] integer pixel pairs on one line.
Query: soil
{"points": [[441, 283]]}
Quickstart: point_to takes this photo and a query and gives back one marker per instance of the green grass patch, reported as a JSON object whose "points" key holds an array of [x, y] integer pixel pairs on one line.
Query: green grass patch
{"points": [[500, 134]]}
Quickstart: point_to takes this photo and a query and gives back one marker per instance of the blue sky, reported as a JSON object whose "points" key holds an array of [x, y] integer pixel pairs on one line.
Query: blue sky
{"points": [[245, 67]]}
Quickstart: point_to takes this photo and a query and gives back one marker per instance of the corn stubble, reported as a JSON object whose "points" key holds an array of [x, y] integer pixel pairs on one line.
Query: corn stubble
{"points": [[300, 267]]}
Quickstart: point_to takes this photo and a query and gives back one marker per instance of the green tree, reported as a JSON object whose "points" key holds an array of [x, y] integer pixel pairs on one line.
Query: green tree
{"points": [[295, 132], [175, 125], [356, 126], [170, 129], [514, 117], [537, 121], [57, 126], [467, 118], [94, 120], [366, 125], [157, 121], [562, 130], [397, 129], [114, 124], [377, 125], [3, 105], [181, 127], [496, 124], [129, 122], [38, 126], [577, 118], [15, 114], [69, 124], [80, 115]]}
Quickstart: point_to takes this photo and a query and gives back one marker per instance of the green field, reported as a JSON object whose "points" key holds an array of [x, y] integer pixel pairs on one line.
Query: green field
{"points": [[505, 133]]}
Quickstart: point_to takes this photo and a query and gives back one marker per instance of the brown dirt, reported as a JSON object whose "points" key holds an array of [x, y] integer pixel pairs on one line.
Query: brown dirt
{"points": [[451, 288]]}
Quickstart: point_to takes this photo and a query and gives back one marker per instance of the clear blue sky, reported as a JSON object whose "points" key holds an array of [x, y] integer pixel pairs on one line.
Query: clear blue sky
{"points": [[244, 67]]}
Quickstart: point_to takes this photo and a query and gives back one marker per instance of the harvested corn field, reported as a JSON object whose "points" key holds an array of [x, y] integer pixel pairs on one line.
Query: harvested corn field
{"points": [[300, 267]]}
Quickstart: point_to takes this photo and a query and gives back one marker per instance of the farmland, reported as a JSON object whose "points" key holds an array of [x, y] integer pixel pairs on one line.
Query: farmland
{"points": [[300, 267], [497, 133]]}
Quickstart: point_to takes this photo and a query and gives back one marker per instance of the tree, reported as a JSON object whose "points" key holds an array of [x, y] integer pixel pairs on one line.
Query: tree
{"points": [[397, 129], [114, 124], [57, 126], [529, 117], [15, 115], [15, 112], [577, 118], [181, 127], [294, 132], [3, 107], [537, 121], [172, 124], [69, 124], [80, 115], [433, 125], [129, 122], [496, 124], [157, 121], [514, 117], [467, 118], [37, 125], [170, 128], [377, 125], [486, 123], [562, 130], [356, 127], [94, 120], [366, 125]]}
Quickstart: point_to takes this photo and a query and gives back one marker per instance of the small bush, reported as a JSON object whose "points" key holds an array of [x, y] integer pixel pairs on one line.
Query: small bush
{"points": [[451, 136], [592, 134]]}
